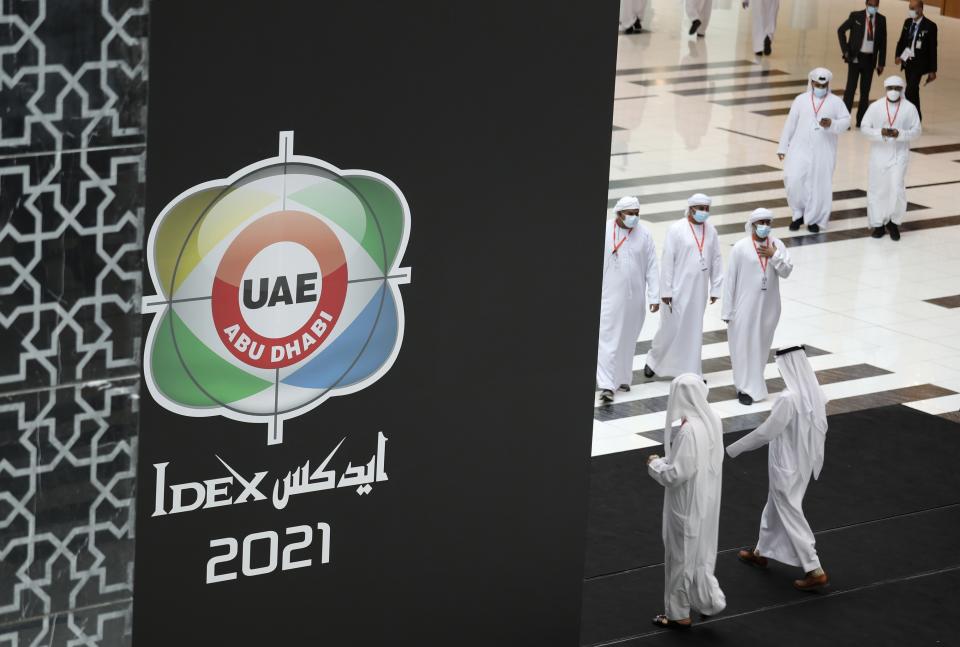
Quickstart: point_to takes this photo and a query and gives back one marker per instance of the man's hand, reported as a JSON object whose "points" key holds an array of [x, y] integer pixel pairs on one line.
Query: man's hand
{"points": [[767, 251], [879, 70], [713, 300], [781, 156], [825, 122], [894, 132], [654, 307], [931, 78], [651, 458], [898, 61], [667, 300]]}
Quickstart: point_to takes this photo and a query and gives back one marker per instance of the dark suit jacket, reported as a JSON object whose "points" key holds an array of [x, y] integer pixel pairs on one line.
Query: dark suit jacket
{"points": [[856, 24], [925, 55]]}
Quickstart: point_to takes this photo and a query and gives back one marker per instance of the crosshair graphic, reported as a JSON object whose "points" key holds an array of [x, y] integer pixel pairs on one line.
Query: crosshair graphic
{"points": [[276, 289]]}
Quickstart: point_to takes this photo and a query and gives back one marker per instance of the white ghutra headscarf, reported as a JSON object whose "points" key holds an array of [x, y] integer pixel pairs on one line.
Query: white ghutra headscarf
{"points": [[811, 403]]}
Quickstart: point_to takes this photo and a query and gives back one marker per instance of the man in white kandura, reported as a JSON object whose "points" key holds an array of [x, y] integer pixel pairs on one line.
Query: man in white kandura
{"points": [[764, 19], [751, 303], [630, 284], [691, 475], [796, 432], [691, 270], [809, 143], [891, 124], [631, 15], [698, 11]]}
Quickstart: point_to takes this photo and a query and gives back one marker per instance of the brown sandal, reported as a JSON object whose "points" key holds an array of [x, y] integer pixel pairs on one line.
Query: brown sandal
{"points": [[664, 622], [750, 557]]}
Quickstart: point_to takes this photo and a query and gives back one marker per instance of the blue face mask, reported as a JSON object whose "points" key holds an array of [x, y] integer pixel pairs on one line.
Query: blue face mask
{"points": [[872, 11], [819, 92], [630, 221], [763, 231], [701, 216]]}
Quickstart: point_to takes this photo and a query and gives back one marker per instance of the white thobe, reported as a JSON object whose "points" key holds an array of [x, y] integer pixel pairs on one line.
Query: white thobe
{"points": [[764, 19], [700, 10], [753, 312], [632, 11], [689, 279], [691, 518], [630, 284], [785, 534], [812, 155], [886, 189]]}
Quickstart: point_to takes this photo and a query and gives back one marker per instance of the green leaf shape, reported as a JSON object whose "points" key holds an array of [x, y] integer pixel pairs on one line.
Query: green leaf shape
{"points": [[220, 379]]}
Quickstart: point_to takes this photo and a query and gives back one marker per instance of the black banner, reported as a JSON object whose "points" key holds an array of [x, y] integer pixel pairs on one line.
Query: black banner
{"points": [[370, 320]]}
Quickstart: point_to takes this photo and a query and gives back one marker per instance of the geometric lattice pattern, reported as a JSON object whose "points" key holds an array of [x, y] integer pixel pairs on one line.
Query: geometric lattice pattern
{"points": [[72, 149]]}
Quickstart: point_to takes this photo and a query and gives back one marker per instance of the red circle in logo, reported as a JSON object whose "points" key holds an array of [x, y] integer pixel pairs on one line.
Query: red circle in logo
{"points": [[247, 344]]}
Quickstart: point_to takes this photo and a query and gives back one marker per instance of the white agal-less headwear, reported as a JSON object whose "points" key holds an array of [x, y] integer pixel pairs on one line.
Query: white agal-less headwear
{"points": [[688, 399], [894, 80], [626, 202], [699, 200], [758, 214], [810, 399], [821, 75]]}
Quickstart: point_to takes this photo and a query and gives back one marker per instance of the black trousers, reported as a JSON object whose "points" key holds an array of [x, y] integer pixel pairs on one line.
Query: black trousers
{"points": [[912, 91], [860, 73]]}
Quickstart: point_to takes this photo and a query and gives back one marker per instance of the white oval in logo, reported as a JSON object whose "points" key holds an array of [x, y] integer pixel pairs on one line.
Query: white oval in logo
{"points": [[280, 289]]}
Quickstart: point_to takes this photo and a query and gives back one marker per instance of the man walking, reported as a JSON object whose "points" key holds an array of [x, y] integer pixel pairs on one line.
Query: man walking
{"points": [[917, 52], [890, 124], [864, 51], [796, 432], [630, 284]]}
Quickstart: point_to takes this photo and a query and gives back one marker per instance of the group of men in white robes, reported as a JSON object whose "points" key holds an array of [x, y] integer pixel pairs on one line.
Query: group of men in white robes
{"points": [[808, 148], [689, 277], [691, 473]]}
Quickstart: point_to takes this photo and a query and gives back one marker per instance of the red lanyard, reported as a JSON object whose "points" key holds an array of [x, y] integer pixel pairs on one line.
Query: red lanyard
{"points": [[816, 110], [701, 241], [763, 261], [899, 103], [616, 245]]}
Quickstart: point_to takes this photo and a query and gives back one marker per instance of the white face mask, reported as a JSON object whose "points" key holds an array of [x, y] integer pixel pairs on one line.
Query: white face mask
{"points": [[912, 13], [820, 92], [893, 95], [630, 221]]}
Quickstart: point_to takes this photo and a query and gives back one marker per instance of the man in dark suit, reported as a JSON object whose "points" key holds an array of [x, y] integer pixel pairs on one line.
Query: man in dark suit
{"points": [[917, 52], [864, 52]]}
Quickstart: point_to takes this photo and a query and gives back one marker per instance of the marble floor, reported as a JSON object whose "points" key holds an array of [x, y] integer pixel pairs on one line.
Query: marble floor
{"points": [[704, 115]]}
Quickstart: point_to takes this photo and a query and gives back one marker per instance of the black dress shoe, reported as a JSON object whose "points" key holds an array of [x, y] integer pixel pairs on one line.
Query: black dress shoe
{"points": [[894, 230], [629, 30], [795, 224], [878, 232], [767, 46], [637, 27], [648, 372], [745, 399], [758, 53], [815, 229], [606, 396], [625, 388], [694, 27]]}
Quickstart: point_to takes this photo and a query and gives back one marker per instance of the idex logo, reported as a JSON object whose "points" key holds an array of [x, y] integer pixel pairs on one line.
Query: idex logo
{"points": [[276, 288]]}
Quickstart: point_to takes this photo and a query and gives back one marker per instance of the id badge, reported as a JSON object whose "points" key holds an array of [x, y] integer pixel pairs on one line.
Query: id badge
{"points": [[703, 264], [919, 44], [763, 284]]}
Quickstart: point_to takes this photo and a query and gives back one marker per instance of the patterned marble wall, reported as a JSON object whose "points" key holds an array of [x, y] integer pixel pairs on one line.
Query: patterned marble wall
{"points": [[72, 146]]}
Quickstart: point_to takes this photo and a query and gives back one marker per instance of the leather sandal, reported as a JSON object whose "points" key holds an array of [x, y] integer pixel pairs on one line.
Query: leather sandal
{"points": [[750, 557]]}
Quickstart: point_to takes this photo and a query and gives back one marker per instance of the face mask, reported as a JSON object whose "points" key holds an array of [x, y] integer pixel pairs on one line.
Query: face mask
{"points": [[912, 13], [872, 11], [820, 92], [630, 221], [763, 231], [893, 95], [701, 216]]}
